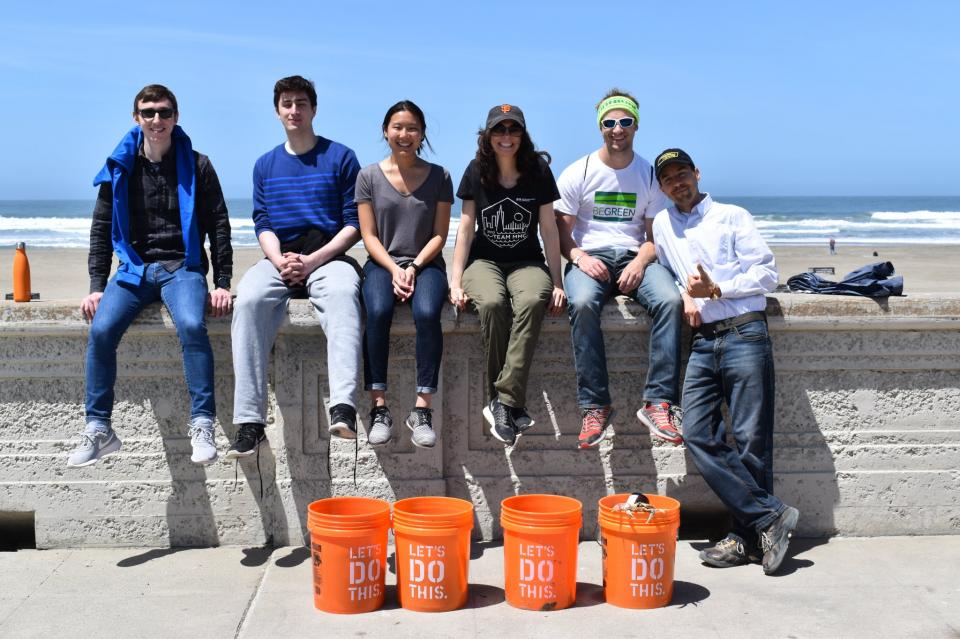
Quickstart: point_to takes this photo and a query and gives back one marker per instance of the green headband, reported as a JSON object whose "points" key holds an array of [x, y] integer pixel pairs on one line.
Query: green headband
{"points": [[618, 102]]}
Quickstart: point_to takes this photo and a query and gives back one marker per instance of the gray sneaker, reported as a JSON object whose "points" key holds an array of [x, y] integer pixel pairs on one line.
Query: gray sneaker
{"points": [[381, 426], [202, 441], [775, 539], [97, 440], [729, 552], [420, 421]]}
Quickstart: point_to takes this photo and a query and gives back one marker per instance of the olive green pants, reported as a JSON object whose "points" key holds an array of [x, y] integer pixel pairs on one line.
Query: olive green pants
{"points": [[511, 299]]}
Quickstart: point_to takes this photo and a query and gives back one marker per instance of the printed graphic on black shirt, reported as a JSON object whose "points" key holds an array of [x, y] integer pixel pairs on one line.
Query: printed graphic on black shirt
{"points": [[505, 223]]}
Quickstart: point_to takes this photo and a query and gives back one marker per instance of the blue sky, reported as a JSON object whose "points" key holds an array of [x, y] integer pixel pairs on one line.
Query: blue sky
{"points": [[770, 98]]}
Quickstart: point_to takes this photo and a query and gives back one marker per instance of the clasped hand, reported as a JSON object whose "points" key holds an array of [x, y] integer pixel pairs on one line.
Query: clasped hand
{"points": [[295, 267], [404, 281], [629, 279]]}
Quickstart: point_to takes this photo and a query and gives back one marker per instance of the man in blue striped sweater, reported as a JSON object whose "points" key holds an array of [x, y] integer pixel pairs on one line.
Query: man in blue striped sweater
{"points": [[305, 220]]}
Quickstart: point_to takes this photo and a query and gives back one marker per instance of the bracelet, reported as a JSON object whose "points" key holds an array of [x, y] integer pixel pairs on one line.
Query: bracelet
{"points": [[416, 267], [576, 261]]}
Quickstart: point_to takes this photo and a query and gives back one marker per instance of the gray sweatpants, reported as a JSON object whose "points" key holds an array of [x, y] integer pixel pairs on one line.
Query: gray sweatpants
{"points": [[260, 309]]}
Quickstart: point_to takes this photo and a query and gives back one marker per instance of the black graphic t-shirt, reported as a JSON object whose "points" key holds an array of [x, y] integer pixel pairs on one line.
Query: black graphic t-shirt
{"points": [[507, 219]]}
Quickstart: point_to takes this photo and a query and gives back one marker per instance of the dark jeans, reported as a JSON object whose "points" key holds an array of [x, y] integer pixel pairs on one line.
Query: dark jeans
{"points": [[429, 294], [737, 367], [184, 292], [659, 296]]}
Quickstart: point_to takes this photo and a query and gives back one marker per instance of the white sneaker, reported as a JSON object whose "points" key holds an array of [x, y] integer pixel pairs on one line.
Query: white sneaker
{"points": [[96, 441], [202, 441]]}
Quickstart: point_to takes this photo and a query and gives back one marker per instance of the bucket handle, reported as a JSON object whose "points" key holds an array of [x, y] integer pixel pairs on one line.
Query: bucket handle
{"points": [[636, 502]]}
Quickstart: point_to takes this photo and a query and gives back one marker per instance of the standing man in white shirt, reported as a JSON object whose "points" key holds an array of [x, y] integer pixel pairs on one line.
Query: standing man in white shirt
{"points": [[726, 268], [606, 207]]}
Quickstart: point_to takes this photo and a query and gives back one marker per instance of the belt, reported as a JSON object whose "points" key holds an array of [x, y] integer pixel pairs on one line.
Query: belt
{"points": [[712, 329]]}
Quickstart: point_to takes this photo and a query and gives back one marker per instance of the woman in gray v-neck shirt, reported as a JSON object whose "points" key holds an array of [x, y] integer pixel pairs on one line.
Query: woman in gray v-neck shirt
{"points": [[404, 207]]}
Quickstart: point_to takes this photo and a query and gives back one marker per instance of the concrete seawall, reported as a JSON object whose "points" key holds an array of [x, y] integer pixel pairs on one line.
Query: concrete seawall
{"points": [[867, 433]]}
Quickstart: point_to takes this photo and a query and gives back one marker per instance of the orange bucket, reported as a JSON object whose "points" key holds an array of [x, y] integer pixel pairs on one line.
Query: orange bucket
{"points": [[348, 541], [432, 539], [638, 551], [540, 536]]}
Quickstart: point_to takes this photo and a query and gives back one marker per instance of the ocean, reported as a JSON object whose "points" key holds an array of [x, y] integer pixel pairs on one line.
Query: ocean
{"points": [[781, 220]]}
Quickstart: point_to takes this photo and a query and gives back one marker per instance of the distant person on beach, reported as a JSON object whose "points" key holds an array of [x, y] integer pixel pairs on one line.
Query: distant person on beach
{"points": [[158, 200], [726, 268], [404, 206], [305, 219], [498, 264], [605, 211], [833, 246]]}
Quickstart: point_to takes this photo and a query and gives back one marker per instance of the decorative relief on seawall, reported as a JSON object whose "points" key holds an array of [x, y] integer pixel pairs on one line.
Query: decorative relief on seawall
{"points": [[867, 434]]}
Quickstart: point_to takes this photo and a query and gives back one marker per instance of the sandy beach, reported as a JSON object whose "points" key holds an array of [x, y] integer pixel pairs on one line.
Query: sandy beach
{"points": [[61, 274]]}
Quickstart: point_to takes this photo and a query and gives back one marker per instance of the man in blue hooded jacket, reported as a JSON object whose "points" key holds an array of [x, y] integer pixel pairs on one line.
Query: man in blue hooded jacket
{"points": [[158, 199]]}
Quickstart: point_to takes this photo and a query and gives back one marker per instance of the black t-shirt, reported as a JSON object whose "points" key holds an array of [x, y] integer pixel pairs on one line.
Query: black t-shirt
{"points": [[507, 219]]}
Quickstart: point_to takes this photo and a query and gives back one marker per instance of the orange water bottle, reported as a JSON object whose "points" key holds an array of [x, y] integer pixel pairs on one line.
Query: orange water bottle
{"points": [[21, 274]]}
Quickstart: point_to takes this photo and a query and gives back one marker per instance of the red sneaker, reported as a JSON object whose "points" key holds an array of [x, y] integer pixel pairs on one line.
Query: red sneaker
{"points": [[663, 420], [594, 427]]}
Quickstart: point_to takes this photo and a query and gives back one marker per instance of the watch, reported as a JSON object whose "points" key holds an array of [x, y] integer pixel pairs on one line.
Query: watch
{"points": [[416, 267], [224, 283], [576, 261]]}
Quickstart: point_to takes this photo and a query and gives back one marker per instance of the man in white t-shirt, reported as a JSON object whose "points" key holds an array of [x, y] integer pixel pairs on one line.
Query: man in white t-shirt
{"points": [[726, 268], [608, 200]]}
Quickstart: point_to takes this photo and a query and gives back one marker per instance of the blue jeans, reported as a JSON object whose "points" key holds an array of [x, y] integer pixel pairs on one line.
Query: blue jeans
{"points": [[735, 367], [184, 292], [659, 296], [429, 294]]}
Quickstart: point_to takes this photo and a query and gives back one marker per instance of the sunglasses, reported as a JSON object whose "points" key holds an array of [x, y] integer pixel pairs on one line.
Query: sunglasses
{"points": [[624, 123], [502, 129], [147, 114]]}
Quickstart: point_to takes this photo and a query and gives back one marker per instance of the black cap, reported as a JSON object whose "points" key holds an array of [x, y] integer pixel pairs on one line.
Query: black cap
{"points": [[503, 112], [672, 156]]}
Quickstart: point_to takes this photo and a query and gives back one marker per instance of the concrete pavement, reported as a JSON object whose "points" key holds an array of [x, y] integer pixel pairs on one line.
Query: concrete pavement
{"points": [[876, 587]]}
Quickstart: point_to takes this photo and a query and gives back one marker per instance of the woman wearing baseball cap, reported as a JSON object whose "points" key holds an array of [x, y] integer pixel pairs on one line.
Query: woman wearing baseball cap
{"points": [[508, 192]]}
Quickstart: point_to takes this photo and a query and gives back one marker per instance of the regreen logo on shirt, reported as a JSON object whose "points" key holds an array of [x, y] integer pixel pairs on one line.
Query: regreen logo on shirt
{"points": [[613, 206]]}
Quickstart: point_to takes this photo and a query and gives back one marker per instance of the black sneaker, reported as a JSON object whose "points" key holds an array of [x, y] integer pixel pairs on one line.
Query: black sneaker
{"points": [[729, 552], [522, 419], [343, 421], [776, 538], [501, 422], [249, 436]]}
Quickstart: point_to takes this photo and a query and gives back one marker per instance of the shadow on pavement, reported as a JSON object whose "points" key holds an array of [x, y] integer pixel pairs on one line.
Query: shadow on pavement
{"points": [[483, 595], [296, 557], [791, 565], [256, 556], [477, 548], [390, 599], [144, 557], [588, 595], [685, 593]]}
